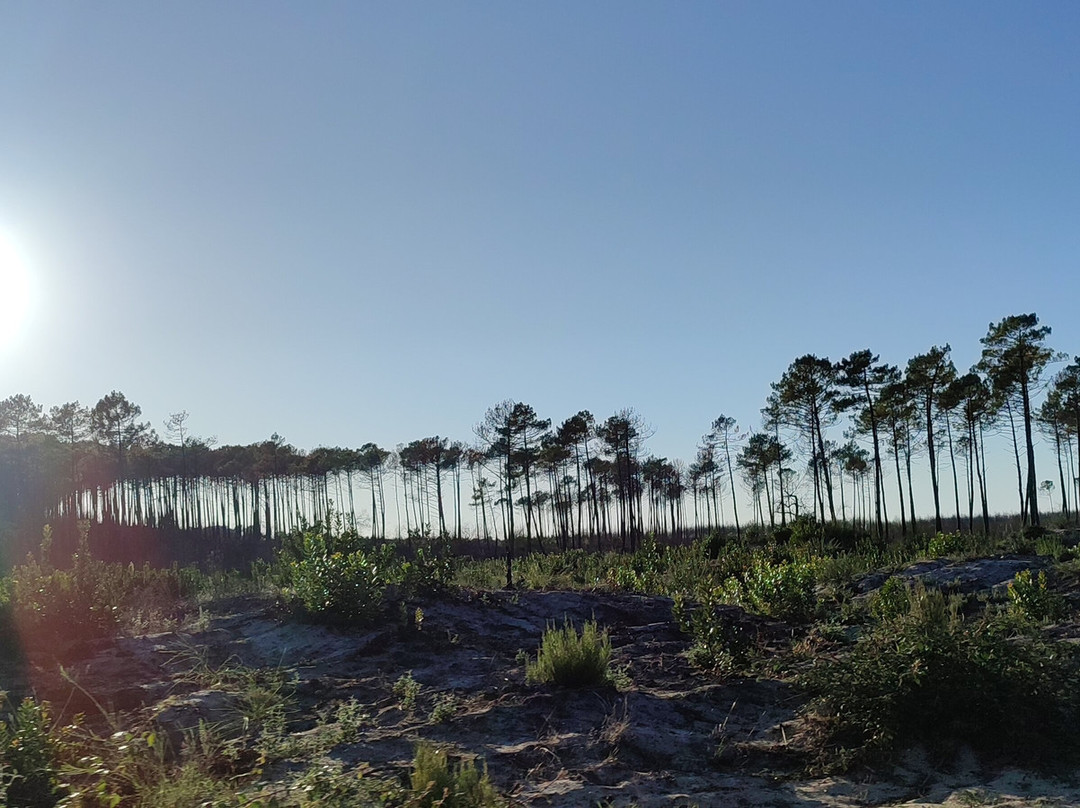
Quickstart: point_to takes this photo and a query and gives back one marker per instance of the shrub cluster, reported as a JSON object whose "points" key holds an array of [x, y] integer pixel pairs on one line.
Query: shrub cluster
{"points": [[925, 675], [338, 576], [51, 606], [338, 586], [946, 544], [781, 589], [718, 642]]}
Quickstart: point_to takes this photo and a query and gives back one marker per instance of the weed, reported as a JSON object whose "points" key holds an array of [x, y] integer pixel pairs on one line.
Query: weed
{"points": [[407, 690], [445, 708], [1030, 597], [615, 727], [570, 659], [891, 600], [328, 784], [436, 783]]}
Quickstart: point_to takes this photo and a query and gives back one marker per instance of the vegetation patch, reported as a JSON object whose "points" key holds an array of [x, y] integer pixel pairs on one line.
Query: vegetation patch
{"points": [[436, 783], [929, 676], [569, 659], [1030, 597]]}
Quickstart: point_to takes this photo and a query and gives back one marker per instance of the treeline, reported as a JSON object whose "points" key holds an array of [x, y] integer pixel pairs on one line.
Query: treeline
{"points": [[584, 481]]}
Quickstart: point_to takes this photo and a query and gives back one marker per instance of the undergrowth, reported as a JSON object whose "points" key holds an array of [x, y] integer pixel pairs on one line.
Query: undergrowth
{"points": [[925, 674], [570, 659], [436, 783]]}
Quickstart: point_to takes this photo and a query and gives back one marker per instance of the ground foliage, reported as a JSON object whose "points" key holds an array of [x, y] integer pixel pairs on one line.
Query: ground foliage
{"points": [[570, 658], [926, 674], [899, 665]]}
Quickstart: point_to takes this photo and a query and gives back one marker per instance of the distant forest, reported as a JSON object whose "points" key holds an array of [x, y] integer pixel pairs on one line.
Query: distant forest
{"points": [[831, 436]]}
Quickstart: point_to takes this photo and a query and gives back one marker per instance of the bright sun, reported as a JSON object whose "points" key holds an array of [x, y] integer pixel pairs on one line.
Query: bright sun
{"points": [[14, 293]]}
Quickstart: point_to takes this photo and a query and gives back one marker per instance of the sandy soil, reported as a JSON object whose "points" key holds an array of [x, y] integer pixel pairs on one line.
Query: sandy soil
{"points": [[668, 735]]}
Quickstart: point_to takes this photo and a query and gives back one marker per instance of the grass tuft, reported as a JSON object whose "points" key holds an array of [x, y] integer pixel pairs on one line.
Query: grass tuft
{"points": [[436, 783], [570, 659]]}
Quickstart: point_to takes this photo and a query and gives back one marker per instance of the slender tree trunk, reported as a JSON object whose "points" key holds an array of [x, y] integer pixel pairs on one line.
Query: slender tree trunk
{"points": [[1061, 471], [910, 487], [952, 460], [731, 477], [1019, 470], [932, 452], [1032, 488], [879, 479], [981, 468], [825, 463]]}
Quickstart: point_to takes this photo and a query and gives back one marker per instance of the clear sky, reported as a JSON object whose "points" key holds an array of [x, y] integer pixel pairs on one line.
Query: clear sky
{"points": [[355, 221]]}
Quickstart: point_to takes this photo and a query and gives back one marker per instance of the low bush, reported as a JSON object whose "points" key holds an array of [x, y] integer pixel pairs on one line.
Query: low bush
{"points": [[431, 569], [891, 600], [53, 606], [89, 598], [927, 676], [946, 544], [28, 770], [339, 587], [437, 784], [570, 659], [784, 589], [641, 570], [343, 578], [1030, 597], [719, 644]]}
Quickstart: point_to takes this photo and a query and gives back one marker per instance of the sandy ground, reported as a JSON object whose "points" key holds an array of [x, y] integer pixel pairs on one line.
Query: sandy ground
{"points": [[668, 735]]}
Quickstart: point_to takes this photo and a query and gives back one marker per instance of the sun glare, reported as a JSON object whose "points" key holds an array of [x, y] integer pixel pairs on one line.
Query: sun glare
{"points": [[14, 293]]}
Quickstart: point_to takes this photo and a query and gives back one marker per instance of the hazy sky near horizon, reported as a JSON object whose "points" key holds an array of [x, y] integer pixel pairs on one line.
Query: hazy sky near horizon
{"points": [[347, 221]]}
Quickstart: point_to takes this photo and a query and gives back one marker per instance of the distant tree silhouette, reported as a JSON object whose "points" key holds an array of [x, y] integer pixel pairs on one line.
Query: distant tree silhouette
{"points": [[1014, 357], [863, 375], [726, 435], [806, 395], [927, 377]]}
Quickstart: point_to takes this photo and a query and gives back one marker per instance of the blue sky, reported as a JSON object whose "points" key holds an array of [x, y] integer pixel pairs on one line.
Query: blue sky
{"points": [[349, 221]]}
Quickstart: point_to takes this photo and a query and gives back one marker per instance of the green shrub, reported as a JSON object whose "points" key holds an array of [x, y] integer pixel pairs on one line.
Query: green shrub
{"points": [[712, 543], [784, 590], [336, 586], [718, 643], [333, 534], [52, 606], [1030, 597], [837, 572], [641, 570], [570, 659], [929, 677], [432, 568], [407, 690], [437, 784], [1050, 545], [27, 756], [946, 544], [891, 600], [90, 598]]}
